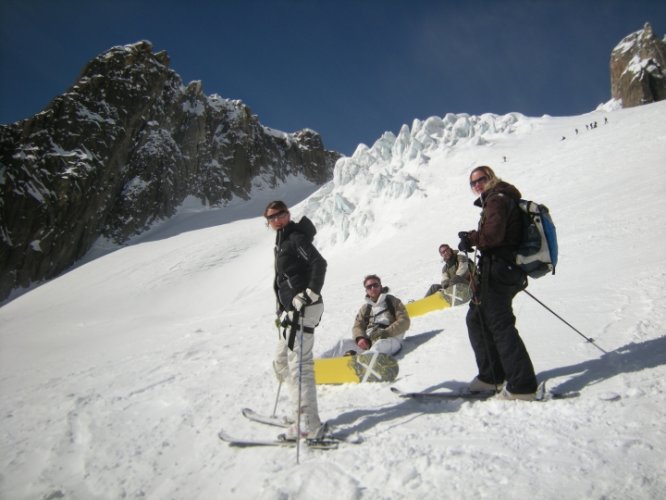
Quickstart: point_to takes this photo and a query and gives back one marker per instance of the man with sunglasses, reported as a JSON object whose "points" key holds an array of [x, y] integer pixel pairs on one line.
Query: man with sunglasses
{"points": [[299, 277], [382, 321], [500, 352], [455, 276]]}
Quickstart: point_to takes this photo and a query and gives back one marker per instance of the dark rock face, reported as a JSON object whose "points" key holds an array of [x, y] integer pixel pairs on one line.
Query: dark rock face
{"points": [[123, 148], [638, 69]]}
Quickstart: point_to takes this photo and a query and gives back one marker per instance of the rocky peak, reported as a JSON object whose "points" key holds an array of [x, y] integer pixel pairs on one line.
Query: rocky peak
{"points": [[122, 148], [638, 68]]}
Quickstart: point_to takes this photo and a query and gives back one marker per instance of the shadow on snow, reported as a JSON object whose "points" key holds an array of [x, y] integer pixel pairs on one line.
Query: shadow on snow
{"points": [[630, 358]]}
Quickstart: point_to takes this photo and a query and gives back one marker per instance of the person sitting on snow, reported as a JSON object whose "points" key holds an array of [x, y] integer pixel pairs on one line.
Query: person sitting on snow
{"points": [[455, 276], [380, 324], [382, 321]]}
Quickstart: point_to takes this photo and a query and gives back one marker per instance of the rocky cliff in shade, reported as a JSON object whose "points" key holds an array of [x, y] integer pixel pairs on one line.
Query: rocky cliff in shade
{"points": [[123, 148], [638, 68]]}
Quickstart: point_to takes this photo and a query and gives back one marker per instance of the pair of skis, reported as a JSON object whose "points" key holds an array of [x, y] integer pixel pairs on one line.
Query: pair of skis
{"points": [[328, 442], [331, 441], [541, 394]]}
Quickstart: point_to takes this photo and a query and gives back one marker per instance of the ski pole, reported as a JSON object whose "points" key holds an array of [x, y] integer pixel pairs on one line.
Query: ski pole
{"points": [[477, 307], [300, 390], [277, 397], [591, 341]]}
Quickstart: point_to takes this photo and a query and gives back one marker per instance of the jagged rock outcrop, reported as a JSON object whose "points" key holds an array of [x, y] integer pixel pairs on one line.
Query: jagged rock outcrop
{"points": [[638, 68], [121, 149]]}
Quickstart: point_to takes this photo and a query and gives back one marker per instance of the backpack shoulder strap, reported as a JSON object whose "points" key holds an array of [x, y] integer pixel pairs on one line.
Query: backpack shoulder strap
{"points": [[390, 305], [366, 314], [390, 302]]}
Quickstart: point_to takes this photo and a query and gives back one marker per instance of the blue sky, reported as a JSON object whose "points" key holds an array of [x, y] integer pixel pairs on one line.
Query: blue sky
{"points": [[349, 69]]}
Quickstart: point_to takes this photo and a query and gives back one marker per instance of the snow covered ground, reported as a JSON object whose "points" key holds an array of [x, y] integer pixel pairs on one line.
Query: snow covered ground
{"points": [[117, 376]]}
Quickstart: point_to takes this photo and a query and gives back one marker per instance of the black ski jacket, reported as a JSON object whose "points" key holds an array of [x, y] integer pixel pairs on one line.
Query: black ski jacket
{"points": [[298, 264]]}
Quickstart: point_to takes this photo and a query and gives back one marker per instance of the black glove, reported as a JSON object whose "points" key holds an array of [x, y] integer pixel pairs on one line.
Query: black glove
{"points": [[465, 245]]}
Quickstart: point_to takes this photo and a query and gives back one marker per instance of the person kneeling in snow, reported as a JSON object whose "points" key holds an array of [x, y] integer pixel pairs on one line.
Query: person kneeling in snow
{"points": [[455, 276]]}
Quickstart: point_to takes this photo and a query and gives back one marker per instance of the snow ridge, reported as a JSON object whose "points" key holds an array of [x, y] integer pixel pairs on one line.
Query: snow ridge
{"points": [[344, 209]]}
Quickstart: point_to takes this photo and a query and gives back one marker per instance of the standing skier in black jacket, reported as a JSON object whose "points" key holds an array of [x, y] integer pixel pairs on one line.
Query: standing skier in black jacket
{"points": [[299, 277]]}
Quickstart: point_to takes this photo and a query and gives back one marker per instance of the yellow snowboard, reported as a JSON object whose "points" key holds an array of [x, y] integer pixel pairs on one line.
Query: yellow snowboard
{"points": [[433, 302], [370, 367]]}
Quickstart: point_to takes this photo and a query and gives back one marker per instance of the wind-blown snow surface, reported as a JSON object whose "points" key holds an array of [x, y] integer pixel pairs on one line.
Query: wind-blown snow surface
{"points": [[116, 377]]}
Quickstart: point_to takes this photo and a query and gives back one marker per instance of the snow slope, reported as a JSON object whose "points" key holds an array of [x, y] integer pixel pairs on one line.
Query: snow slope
{"points": [[116, 377]]}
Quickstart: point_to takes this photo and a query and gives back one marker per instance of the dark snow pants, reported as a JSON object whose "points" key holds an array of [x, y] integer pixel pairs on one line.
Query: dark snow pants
{"points": [[500, 352]]}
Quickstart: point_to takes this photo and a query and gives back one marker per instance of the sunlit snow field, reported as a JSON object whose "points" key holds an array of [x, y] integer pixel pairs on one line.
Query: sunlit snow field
{"points": [[117, 376]]}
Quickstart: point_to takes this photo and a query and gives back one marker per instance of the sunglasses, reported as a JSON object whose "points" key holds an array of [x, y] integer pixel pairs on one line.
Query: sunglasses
{"points": [[483, 178], [276, 216], [372, 285]]}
